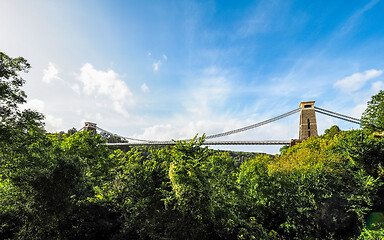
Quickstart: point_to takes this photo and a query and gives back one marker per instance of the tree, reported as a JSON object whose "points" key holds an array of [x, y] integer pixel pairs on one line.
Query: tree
{"points": [[332, 131], [10, 81], [12, 120], [46, 179], [373, 117], [71, 131]]}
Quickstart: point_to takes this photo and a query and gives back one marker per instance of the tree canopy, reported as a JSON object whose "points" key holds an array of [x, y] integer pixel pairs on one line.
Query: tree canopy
{"points": [[373, 117], [11, 81], [13, 121]]}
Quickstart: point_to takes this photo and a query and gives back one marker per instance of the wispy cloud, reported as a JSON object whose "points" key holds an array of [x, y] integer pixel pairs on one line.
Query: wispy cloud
{"points": [[352, 21], [51, 73], [144, 88], [156, 65], [377, 86], [357, 80], [209, 91], [262, 18], [358, 110], [158, 62]]}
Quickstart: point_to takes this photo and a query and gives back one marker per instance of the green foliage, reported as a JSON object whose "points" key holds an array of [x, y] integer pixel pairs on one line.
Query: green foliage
{"points": [[10, 92], [284, 148], [71, 131], [332, 131], [363, 150], [187, 174], [310, 191], [367, 234], [45, 179], [14, 122], [373, 117], [48, 180], [72, 186], [185, 192]]}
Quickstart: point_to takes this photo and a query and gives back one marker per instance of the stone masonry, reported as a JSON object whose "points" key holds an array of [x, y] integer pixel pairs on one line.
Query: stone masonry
{"points": [[89, 126], [308, 126]]}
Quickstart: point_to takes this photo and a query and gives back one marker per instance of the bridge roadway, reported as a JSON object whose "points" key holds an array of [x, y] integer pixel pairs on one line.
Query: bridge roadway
{"points": [[169, 143]]}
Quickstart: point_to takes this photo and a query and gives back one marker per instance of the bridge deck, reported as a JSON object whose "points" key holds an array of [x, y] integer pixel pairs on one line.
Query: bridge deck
{"points": [[168, 143]]}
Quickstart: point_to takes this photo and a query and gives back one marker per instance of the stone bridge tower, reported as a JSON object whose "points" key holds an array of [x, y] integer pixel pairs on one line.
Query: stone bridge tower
{"points": [[89, 126], [308, 125]]}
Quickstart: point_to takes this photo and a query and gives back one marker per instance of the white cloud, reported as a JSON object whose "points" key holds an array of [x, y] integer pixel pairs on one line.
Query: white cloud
{"points": [[118, 107], [144, 88], [211, 94], [361, 98], [51, 73], [76, 88], [53, 123], [35, 104], [177, 131], [377, 86], [358, 110], [165, 57], [357, 80], [162, 132], [105, 84], [156, 65]]}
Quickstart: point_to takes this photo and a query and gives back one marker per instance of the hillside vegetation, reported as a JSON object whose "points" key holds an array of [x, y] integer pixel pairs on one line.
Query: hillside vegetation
{"points": [[59, 186]]}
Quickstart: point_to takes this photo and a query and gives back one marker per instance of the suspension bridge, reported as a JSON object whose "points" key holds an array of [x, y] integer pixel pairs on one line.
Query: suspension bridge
{"points": [[307, 128]]}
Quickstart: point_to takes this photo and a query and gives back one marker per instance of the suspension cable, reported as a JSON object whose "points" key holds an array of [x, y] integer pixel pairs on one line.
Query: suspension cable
{"points": [[338, 114], [126, 138], [339, 117], [254, 125], [317, 109], [214, 135]]}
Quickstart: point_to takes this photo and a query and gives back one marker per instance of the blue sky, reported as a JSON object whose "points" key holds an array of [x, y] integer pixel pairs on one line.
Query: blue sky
{"points": [[171, 69]]}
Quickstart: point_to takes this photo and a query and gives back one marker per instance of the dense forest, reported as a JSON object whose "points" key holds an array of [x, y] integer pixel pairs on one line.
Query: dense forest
{"points": [[72, 186]]}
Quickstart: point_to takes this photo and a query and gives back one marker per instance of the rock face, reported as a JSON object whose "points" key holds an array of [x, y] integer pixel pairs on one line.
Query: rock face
{"points": [[308, 125]]}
